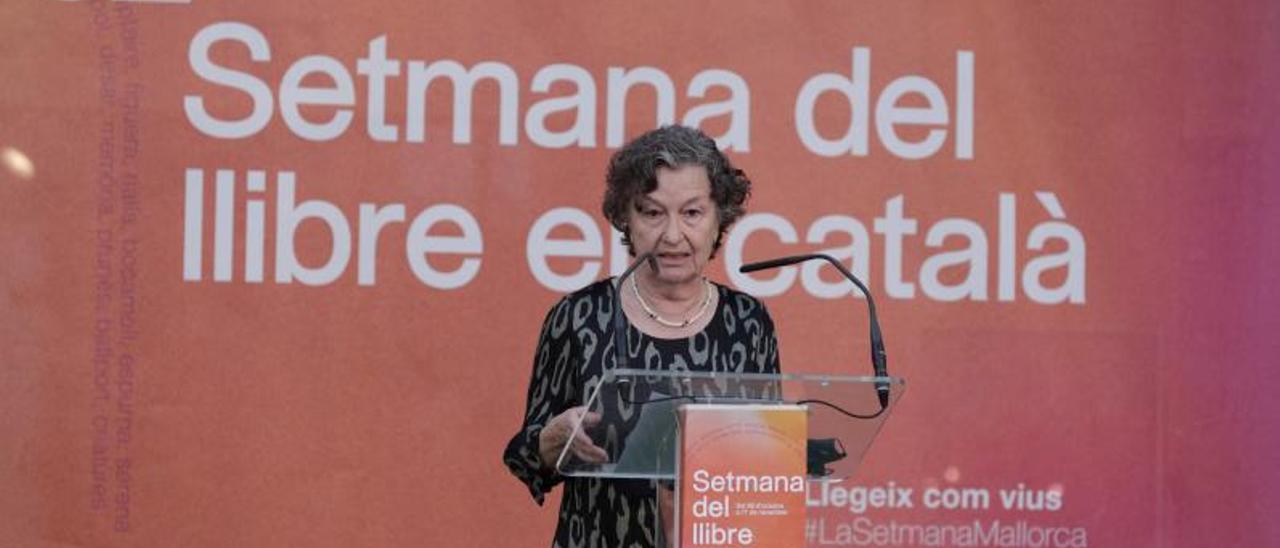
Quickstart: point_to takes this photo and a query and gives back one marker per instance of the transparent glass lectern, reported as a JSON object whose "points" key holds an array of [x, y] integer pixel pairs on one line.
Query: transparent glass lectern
{"points": [[638, 422]]}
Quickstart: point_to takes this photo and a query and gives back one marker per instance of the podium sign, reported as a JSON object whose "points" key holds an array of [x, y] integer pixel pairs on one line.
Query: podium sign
{"points": [[640, 423], [742, 475]]}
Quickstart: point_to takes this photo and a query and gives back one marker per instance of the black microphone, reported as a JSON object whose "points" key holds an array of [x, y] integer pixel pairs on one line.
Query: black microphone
{"points": [[619, 319], [879, 360]]}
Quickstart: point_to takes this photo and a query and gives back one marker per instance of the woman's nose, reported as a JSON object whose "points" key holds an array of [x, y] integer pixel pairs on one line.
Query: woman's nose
{"points": [[671, 232]]}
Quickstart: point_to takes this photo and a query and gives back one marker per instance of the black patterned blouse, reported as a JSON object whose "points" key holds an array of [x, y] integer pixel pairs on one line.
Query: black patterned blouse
{"points": [[574, 349]]}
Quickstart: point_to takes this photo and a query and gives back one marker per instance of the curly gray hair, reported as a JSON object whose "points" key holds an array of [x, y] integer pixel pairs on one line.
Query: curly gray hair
{"points": [[633, 172]]}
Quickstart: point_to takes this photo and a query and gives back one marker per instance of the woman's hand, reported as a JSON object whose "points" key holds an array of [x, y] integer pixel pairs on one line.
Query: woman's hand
{"points": [[558, 430]]}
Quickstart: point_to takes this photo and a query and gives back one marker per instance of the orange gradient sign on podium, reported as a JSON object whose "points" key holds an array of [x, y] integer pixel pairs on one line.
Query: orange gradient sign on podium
{"points": [[742, 475]]}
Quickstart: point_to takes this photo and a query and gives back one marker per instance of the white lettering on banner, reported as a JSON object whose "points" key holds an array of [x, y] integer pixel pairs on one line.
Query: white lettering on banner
{"points": [[258, 91], [857, 254], [1066, 262], [894, 227], [953, 498], [378, 69], [372, 219], [255, 227], [1008, 247], [420, 244], [316, 96], [582, 103], [620, 82], [864, 531], [859, 499], [736, 241], [294, 95], [972, 259], [1073, 257], [288, 217], [420, 76], [736, 107], [855, 88], [539, 246], [421, 241], [1035, 500]]}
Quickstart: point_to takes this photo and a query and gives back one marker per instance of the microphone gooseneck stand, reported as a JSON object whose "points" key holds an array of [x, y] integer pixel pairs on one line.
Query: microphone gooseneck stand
{"points": [[879, 360]]}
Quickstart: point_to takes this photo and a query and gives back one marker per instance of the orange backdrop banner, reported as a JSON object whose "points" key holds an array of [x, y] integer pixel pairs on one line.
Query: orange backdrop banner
{"points": [[273, 272]]}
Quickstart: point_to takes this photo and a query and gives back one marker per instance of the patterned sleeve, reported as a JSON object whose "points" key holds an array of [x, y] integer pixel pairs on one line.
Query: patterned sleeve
{"points": [[550, 393], [772, 361]]}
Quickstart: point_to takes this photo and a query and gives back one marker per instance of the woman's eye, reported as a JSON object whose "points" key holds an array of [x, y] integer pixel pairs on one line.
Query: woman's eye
{"points": [[693, 213], [651, 213]]}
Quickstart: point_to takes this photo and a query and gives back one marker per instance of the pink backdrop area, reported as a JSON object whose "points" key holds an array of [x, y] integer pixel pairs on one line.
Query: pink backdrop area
{"points": [[1080, 292]]}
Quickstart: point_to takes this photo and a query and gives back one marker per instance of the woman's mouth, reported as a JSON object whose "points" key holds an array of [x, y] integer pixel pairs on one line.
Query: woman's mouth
{"points": [[672, 257]]}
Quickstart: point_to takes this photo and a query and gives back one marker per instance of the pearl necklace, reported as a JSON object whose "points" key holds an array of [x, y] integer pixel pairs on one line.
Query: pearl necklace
{"points": [[653, 315]]}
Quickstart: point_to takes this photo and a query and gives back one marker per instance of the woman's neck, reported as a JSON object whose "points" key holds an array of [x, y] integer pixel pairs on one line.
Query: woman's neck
{"points": [[672, 295], [669, 319]]}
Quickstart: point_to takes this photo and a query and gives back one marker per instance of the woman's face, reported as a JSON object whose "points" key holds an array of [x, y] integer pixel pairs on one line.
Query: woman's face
{"points": [[678, 222]]}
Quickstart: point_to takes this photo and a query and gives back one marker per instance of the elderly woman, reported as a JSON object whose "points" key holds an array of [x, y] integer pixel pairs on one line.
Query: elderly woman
{"points": [[673, 193]]}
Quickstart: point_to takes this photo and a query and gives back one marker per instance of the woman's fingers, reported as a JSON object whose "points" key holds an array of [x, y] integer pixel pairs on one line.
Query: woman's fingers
{"points": [[554, 436], [581, 444], [559, 432], [587, 450]]}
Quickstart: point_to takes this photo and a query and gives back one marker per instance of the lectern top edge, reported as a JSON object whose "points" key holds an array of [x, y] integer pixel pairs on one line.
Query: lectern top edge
{"points": [[765, 377]]}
